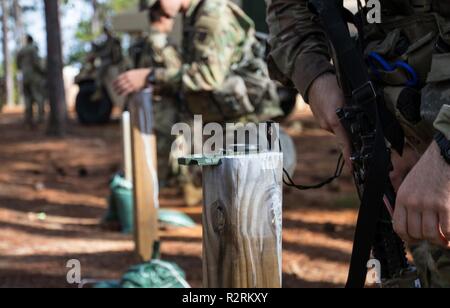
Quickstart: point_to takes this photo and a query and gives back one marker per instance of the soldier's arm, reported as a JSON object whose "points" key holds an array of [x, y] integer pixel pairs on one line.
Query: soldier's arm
{"points": [[213, 59], [168, 77], [170, 64], [171, 58], [214, 46], [422, 210], [299, 50], [165, 77]]}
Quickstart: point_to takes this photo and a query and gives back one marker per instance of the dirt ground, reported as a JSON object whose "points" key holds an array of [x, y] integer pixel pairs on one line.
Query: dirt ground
{"points": [[53, 194]]}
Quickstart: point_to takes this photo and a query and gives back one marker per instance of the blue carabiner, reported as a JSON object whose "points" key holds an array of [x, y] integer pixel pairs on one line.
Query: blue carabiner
{"points": [[413, 79], [385, 65]]}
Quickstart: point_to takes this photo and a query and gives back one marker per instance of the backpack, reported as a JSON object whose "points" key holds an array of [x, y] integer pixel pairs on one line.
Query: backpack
{"points": [[248, 89]]}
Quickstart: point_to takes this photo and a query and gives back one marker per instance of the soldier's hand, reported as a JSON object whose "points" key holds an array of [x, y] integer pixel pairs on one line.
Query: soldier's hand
{"points": [[423, 203], [132, 81], [403, 165], [325, 97]]}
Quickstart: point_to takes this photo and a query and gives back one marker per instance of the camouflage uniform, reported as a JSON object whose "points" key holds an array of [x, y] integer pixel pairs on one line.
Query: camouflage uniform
{"points": [[218, 37], [217, 42], [159, 54], [300, 54], [110, 53], [29, 63]]}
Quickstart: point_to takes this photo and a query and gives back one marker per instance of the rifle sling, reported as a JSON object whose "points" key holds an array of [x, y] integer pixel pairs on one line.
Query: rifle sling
{"points": [[355, 73], [369, 213]]}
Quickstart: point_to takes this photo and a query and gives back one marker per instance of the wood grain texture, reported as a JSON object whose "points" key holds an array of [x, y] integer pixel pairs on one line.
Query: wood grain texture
{"points": [[127, 149], [145, 178], [242, 222]]}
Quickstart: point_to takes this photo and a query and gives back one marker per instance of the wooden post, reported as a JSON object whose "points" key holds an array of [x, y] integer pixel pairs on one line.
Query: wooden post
{"points": [[127, 149], [145, 177], [242, 222]]}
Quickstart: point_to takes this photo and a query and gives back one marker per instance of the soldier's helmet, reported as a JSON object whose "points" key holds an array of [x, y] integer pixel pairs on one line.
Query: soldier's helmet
{"points": [[29, 39]]}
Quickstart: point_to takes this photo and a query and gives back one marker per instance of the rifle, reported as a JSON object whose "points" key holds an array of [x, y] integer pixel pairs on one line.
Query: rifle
{"points": [[365, 118]]}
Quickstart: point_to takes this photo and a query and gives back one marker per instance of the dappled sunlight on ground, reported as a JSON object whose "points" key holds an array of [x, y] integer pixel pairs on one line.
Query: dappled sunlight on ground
{"points": [[53, 194]]}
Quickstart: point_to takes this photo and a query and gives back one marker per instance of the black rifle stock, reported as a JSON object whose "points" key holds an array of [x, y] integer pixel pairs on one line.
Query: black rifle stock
{"points": [[362, 119]]}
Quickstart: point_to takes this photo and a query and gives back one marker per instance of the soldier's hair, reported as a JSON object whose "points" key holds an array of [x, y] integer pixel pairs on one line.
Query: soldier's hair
{"points": [[30, 39]]}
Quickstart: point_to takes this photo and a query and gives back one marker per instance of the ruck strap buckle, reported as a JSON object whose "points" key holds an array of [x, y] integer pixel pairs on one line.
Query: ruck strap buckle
{"points": [[365, 93]]}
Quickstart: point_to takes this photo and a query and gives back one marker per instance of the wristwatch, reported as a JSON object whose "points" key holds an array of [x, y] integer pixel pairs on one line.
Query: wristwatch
{"points": [[444, 145], [151, 78]]}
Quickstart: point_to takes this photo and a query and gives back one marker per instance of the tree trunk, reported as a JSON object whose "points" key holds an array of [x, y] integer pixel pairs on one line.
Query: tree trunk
{"points": [[96, 24], [56, 93], [7, 68], [19, 34], [19, 28]]}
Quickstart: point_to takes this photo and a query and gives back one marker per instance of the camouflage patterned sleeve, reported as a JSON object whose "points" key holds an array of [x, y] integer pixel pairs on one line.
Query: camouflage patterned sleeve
{"points": [[215, 47], [171, 58], [299, 49], [169, 75], [212, 58], [442, 122], [215, 43]]}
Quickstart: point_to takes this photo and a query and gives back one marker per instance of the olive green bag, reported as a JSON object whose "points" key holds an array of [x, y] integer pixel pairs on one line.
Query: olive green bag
{"points": [[151, 275], [423, 42]]}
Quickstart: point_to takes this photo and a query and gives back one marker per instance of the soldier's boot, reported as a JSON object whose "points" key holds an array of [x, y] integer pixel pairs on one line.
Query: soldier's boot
{"points": [[193, 195]]}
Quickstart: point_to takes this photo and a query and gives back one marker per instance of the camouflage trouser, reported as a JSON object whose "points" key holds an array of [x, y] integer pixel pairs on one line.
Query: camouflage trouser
{"points": [[33, 95], [433, 265], [432, 269]]}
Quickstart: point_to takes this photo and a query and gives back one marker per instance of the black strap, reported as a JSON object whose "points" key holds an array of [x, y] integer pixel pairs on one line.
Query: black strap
{"points": [[288, 181], [371, 205], [332, 16], [358, 87]]}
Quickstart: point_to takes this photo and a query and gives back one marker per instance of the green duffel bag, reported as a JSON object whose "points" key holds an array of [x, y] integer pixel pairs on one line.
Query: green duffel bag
{"points": [[121, 209], [155, 274], [121, 204]]}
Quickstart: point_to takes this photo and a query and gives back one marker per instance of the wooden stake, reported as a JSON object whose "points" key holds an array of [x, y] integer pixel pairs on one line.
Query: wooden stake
{"points": [[242, 220], [127, 149], [145, 177]]}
